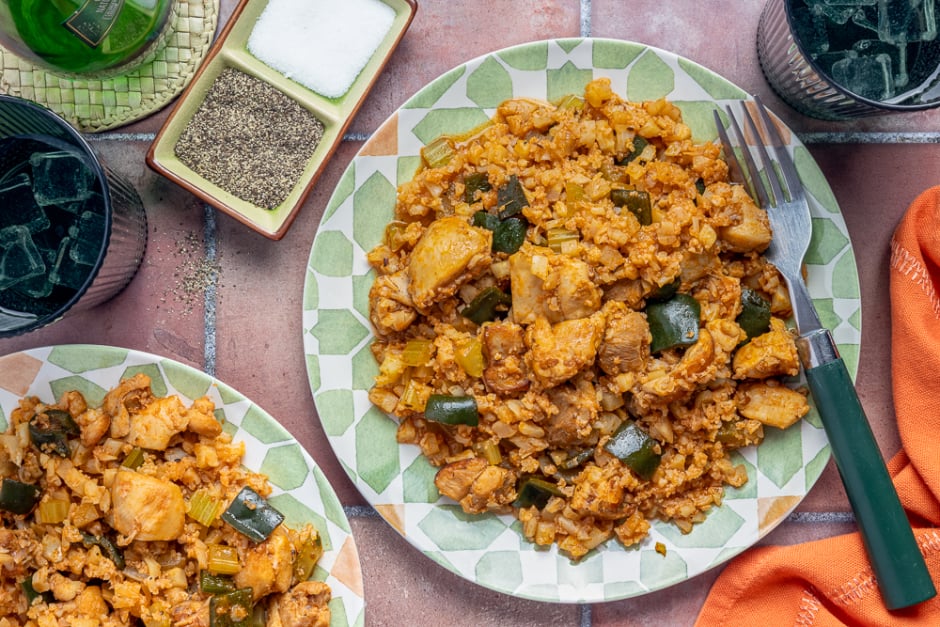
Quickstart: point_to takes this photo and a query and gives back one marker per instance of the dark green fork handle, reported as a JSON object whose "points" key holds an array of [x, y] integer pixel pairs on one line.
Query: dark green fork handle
{"points": [[892, 549]]}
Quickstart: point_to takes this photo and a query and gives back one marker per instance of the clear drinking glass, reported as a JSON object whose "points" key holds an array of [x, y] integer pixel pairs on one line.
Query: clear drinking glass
{"points": [[72, 232], [841, 59]]}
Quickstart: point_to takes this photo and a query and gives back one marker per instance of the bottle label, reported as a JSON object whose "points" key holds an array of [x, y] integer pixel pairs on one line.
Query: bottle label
{"points": [[93, 20]]}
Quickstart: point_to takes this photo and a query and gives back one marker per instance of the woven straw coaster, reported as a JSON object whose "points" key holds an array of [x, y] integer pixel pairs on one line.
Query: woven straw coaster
{"points": [[93, 105]]}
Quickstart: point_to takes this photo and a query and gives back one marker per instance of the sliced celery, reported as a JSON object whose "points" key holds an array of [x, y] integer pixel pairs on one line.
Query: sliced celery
{"points": [[204, 508]]}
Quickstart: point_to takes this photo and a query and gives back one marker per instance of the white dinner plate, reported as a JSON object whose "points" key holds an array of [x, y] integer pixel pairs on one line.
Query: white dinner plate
{"points": [[397, 480]]}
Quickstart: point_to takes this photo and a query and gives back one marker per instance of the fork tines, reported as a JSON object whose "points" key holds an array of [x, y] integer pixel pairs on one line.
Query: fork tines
{"points": [[749, 174]]}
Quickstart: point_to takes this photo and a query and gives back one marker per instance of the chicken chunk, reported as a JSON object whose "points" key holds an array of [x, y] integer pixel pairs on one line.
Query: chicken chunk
{"points": [[476, 485], [390, 306], [191, 614], [577, 411], [504, 348], [146, 508], [524, 115], [550, 285], [558, 352], [699, 363], [94, 424], [201, 417], [626, 343], [305, 605], [771, 403], [450, 253], [752, 231], [600, 491], [771, 354], [131, 394], [155, 425], [268, 566]]}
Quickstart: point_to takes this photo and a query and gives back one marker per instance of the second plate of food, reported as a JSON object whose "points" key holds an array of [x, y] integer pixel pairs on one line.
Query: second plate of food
{"points": [[551, 452], [187, 441]]}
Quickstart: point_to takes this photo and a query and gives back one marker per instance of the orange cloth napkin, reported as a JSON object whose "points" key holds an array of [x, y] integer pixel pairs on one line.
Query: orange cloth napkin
{"points": [[830, 581]]}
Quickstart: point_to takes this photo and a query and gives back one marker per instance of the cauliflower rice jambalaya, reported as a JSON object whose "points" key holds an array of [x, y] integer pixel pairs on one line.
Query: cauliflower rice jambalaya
{"points": [[575, 323], [139, 512]]}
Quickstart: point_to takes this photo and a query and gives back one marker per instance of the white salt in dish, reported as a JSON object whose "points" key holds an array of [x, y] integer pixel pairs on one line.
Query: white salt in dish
{"points": [[231, 51], [321, 44]]}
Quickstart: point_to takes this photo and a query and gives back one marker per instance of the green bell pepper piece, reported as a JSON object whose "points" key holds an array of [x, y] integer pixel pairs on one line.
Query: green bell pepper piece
{"points": [[664, 292], [755, 313], [636, 201], [231, 609], [252, 516], [635, 448], [510, 234], [639, 144], [511, 198], [473, 183], [215, 584], [673, 323], [535, 491], [487, 305], [452, 410], [17, 497], [485, 220], [53, 427], [109, 548]]}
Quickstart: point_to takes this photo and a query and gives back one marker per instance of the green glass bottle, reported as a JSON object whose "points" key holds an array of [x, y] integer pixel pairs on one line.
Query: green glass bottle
{"points": [[85, 37]]}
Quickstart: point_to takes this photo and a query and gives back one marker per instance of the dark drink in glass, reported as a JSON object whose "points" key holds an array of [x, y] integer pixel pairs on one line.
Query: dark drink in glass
{"points": [[877, 49], [51, 225], [841, 59], [72, 232]]}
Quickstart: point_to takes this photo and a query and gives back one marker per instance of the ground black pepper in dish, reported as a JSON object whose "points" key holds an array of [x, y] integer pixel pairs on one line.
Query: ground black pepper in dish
{"points": [[250, 139]]}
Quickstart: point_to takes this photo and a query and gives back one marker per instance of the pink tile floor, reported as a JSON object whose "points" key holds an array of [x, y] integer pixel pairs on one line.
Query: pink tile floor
{"points": [[249, 335]]}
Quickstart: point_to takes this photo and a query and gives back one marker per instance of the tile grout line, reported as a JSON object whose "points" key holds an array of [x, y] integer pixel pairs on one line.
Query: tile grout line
{"points": [[860, 137], [807, 137], [210, 243], [820, 517], [585, 21]]}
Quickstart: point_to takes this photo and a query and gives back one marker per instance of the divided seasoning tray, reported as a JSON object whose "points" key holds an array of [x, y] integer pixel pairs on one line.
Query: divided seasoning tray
{"points": [[230, 52]]}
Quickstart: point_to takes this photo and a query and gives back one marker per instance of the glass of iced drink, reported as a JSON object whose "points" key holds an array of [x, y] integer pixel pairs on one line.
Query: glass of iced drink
{"points": [[841, 59], [72, 232]]}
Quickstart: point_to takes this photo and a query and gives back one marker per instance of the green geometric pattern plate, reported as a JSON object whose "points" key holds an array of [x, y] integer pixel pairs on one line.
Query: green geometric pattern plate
{"points": [[300, 490], [396, 480]]}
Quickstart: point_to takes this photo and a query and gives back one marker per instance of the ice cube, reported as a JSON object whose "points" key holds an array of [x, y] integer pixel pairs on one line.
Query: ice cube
{"points": [[87, 238], [17, 206], [66, 271], [60, 177], [36, 287], [900, 21], [866, 76], [812, 32], [94, 202], [20, 259], [838, 11]]}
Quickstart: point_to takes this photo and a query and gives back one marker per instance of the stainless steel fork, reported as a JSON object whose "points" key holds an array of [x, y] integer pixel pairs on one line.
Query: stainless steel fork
{"points": [[896, 559]]}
